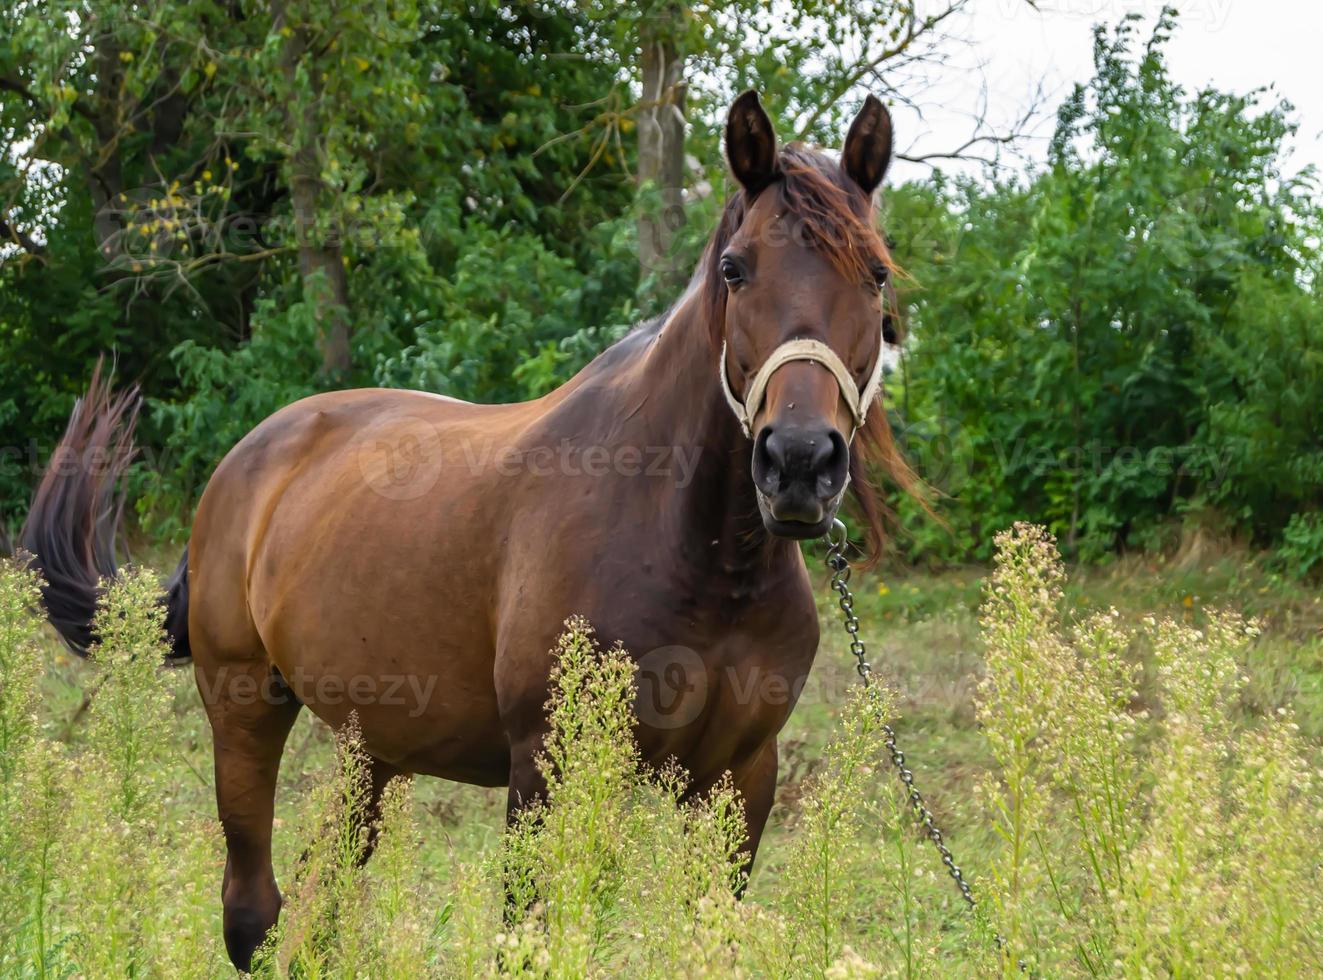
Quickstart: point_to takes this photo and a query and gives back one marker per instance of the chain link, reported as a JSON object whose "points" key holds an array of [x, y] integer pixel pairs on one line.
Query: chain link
{"points": [[840, 583]]}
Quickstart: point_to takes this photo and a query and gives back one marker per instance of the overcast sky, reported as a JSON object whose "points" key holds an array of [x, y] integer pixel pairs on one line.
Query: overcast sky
{"points": [[1236, 45]]}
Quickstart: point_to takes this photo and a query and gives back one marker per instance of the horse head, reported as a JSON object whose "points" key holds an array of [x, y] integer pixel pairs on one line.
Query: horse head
{"points": [[798, 281]]}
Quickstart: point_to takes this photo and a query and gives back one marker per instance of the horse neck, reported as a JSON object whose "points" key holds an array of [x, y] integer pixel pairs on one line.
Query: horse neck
{"points": [[677, 402]]}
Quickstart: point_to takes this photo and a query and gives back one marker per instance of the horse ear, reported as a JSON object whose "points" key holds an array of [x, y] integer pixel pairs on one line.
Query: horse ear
{"points": [[751, 143], [868, 145]]}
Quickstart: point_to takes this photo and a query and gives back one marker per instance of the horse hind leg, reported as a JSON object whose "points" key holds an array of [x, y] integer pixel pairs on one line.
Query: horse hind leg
{"points": [[367, 818], [251, 713], [379, 774], [250, 733]]}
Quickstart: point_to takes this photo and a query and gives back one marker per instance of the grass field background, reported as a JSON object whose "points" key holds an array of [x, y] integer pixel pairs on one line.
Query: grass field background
{"points": [[923, 634]]}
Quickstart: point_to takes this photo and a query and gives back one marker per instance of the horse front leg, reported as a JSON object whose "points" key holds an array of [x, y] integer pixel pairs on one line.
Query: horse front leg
{"points": [[528, 789], [755, 781]]}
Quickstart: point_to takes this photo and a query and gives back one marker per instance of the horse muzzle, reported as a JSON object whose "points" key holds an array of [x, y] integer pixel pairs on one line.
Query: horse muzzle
{"points": [[800, 475]]}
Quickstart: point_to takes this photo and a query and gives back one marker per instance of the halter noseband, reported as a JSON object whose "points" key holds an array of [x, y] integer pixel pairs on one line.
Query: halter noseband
{"points": [[801, 350]]}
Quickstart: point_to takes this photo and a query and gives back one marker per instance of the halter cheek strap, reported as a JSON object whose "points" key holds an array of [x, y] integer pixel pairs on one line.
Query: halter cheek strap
{"points": [[801, 350]]}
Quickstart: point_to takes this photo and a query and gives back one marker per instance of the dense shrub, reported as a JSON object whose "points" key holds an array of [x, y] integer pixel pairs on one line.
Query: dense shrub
{"points": [[1123, 339]]}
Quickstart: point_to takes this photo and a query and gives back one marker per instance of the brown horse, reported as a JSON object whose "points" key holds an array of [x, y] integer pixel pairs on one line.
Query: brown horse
{"points": [[412, 557]]}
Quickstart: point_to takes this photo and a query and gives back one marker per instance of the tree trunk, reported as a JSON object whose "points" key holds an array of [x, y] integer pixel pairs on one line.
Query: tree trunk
{"points": [[321, 266], [321, 256], [661, 128], [105, 181]]}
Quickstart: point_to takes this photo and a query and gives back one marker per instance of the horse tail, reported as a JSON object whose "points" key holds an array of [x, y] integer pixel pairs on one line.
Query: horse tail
{"points": [[73, 523]]}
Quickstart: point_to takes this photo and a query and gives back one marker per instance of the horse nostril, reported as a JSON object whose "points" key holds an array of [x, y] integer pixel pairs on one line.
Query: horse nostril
{"points": [[834, 465], [768, 461]]}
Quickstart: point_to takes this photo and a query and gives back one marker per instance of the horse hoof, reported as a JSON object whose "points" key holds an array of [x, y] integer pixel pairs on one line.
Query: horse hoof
{"points": [[245, 930]]}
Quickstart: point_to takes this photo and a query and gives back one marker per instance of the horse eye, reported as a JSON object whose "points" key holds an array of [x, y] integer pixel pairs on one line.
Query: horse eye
{"points": [[731, 272], [880, 276]]}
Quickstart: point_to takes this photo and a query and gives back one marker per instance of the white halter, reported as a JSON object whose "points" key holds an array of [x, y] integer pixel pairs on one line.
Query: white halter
{"points": [[801, 350]]}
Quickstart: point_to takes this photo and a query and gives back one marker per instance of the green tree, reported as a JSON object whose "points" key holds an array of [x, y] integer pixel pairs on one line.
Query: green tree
{"points": [[1128, 334]]}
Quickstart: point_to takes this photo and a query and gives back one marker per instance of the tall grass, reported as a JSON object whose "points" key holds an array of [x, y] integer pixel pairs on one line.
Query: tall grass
{"points": [[1143, 828], [1174, 845], [29, 778], [100, 878]]}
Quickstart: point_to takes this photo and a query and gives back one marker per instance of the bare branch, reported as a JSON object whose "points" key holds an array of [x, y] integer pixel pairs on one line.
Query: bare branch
{"points": [[915, 30], [984, 137]]}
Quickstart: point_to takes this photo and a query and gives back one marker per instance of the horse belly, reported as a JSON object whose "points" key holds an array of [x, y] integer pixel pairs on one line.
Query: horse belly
{"points": [[423, 700], [367, 607]]}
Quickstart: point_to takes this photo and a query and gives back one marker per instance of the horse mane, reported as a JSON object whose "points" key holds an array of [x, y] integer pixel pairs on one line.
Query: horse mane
{"points": [[837, 218]]}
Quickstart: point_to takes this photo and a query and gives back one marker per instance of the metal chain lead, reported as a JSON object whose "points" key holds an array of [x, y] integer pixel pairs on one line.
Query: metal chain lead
{"points": [[840, 583]]}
